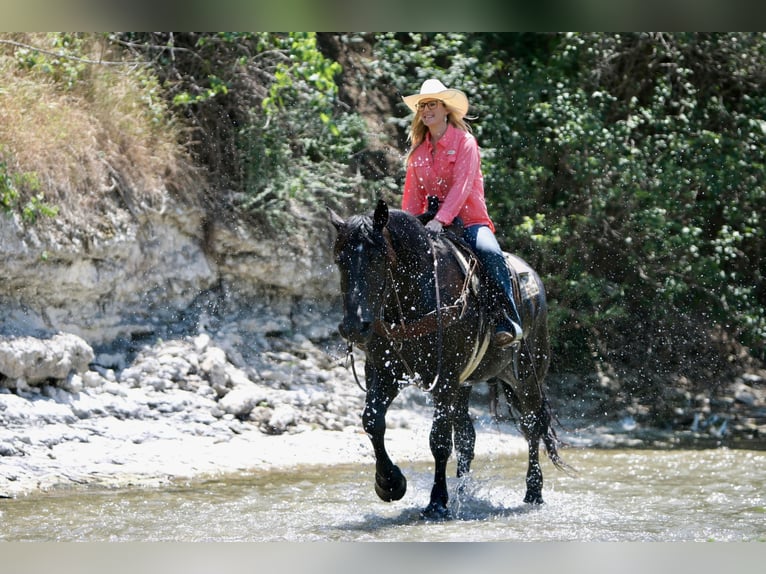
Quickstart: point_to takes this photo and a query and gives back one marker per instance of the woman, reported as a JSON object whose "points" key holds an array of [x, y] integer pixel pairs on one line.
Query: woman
{"points": [[444, 162]]}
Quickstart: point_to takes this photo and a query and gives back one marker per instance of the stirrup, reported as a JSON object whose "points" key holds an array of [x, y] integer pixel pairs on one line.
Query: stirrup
{"points": [[504, 338]]}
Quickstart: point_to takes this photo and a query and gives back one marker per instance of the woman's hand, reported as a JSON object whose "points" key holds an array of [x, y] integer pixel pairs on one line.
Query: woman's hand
{"points": [[435, 225]]}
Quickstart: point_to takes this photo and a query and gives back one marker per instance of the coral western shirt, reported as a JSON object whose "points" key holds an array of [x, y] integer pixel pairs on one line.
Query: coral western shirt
{"points": [[453, 174]]}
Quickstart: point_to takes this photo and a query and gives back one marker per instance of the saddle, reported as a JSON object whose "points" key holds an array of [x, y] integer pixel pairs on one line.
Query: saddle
{"points": [[455, 228], [487, 292]]}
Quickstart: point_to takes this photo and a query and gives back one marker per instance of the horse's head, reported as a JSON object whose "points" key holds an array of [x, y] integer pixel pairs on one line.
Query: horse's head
{"points": [[363, 254]]}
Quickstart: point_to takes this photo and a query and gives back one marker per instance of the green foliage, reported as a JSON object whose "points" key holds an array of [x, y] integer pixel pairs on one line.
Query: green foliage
{"points": [[36, 207], [298, 159], [265, 106], [9, 195], [628, 168], [15, 186], [295, 145], [304, 75], [215, 88], [61, 61]]}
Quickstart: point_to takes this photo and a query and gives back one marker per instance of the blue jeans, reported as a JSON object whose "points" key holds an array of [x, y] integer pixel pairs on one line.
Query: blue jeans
{"points": [[487, 249]]}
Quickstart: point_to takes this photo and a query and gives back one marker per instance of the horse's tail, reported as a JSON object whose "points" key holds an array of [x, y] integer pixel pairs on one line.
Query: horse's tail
{"points": [[551, 439]]}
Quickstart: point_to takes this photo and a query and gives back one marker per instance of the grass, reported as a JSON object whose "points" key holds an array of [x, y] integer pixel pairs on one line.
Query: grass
{"points": [[91, 135]]}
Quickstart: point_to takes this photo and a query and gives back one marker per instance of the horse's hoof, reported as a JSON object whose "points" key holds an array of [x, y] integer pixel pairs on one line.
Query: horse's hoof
{"points": [[436, 512], [392, 489], [534, 498]]}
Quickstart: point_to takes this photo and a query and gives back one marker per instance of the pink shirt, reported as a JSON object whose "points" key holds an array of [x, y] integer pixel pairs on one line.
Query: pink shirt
{"points": [[453, 174]]}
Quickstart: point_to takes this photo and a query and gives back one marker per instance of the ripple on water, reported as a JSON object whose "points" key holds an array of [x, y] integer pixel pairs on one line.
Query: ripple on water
{"points": [[639, 495]]}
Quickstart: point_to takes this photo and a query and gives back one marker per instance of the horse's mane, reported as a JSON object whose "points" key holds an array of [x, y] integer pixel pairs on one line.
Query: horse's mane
{"points": [[358, 229], [405, 227], [405, 230], [408, 236]]}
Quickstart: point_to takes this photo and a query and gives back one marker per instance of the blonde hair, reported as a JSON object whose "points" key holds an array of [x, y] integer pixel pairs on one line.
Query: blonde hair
{"points": [[418, 129]]}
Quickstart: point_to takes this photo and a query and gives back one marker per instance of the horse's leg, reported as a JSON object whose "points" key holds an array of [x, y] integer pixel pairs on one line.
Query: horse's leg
{"points": [[534, 494], [534, 421], [441, 449], [390, 483], [465, 434]]}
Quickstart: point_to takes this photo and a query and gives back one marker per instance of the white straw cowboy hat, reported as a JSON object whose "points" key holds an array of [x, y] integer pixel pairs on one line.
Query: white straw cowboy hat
{"points": [[455, 100]]}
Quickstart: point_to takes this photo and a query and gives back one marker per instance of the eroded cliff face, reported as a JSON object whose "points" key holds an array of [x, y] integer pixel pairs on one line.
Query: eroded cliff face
{"points": [[137, 275]]}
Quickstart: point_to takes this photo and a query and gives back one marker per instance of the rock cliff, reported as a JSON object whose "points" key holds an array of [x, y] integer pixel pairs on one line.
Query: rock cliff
{"points": [[153, 273]]}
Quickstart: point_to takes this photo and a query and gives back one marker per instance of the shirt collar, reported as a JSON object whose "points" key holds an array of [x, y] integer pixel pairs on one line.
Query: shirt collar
{"points": [[446, 139]]}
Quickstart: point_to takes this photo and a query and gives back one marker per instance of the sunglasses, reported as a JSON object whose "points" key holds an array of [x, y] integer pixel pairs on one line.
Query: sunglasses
{"points": [[430, 105]]}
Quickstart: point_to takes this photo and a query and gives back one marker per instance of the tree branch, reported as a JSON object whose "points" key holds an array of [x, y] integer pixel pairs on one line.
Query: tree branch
{"points": [[74, 58]]}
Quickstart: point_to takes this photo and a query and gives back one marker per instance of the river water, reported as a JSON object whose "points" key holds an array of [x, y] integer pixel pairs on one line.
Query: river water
{"points": [[616, 495]]}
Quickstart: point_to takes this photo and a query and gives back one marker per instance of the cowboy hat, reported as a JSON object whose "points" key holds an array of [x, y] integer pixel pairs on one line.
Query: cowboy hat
{"points": [[455, 100]]}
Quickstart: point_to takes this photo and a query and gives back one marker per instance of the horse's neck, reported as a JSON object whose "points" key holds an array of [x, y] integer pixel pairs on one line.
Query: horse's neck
{"points": [[413, 292]]}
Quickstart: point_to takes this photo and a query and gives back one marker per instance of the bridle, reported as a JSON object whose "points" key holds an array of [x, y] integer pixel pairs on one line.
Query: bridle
{"points": [[437, 320]]}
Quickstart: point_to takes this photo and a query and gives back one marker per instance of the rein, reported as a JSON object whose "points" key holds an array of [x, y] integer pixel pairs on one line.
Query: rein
{"points": [[440, 330], [441, 317], [397, 346], [435, 321]]}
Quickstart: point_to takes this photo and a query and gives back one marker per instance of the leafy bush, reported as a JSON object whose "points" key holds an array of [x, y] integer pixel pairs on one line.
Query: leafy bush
{"points": [[628, 168], [14, 186], [264, 110]]}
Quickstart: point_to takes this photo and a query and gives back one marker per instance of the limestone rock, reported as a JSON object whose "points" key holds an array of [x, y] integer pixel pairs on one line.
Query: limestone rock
{"points": [[36, 360]]}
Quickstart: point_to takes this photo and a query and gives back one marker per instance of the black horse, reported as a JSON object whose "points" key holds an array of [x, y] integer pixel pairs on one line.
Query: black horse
{"points": [[411, 303]]}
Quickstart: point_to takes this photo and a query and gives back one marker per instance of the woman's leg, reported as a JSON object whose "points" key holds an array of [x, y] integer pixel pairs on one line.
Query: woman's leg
{"points": [[487, 249]]}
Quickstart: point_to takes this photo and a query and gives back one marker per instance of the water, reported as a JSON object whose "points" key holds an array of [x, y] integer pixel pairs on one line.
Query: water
{"points": [[630, 495]]}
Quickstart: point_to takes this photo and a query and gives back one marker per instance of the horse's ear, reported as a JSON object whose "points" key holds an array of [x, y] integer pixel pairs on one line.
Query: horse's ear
{"points": [[380, 218], [335, 219]]}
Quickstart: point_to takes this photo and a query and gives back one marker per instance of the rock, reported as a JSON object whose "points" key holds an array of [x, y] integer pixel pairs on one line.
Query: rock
{"points": [[237, 377], [37, 360], [120, 277], [46, 412], [91, 379], [745, 395], [201, 342], [281, 417], [111, 361], [73, 384], [753, 379], [7, 449], [241, 400], [14, 410], [212, 364]]}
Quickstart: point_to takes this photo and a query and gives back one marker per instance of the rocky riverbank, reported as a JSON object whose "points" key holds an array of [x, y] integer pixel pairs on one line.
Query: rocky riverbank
{"points": [[189, 408], [199, 405], [177, 408]]}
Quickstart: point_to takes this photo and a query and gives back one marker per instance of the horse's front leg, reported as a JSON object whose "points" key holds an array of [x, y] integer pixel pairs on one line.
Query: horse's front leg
{"points": [[390, 483], [441, 448], [534, 493], [465, 434]]}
